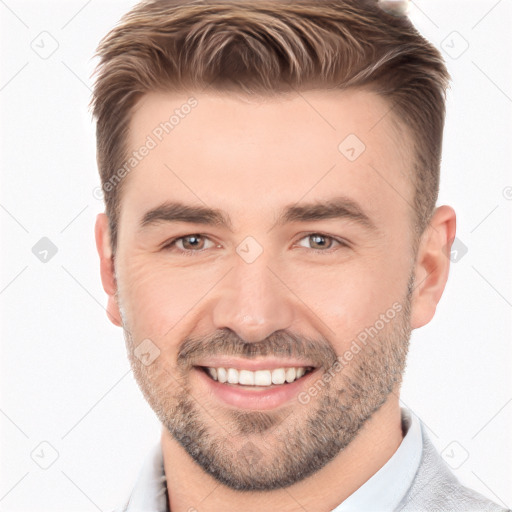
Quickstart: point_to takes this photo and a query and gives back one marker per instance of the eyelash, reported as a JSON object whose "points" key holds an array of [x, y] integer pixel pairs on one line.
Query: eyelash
{"points": [[171, 244]]}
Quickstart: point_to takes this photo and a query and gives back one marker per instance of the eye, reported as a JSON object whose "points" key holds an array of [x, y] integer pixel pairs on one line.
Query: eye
{"points": [[196, 243], [322, 243], [189, 244]]}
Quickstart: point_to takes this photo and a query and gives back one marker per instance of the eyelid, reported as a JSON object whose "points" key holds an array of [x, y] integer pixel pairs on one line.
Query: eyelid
{"points": [[170, 244], [340, 241]]}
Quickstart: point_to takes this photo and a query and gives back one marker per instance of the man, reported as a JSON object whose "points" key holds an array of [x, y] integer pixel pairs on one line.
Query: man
{"points": [[270, 240]]}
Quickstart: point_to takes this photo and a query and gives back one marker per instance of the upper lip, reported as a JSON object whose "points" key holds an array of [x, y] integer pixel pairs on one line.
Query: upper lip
{"points": [[253, 364]]}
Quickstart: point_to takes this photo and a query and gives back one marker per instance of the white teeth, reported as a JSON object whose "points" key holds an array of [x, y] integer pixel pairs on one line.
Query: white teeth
{"points": [[262, 378], [258, 378], [290, 374], [278, 376], [232, 376], [222, 375], [246, 377]]}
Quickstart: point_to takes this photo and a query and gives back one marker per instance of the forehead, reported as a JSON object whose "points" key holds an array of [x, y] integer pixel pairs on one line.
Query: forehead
{"points": [[252, 154]]}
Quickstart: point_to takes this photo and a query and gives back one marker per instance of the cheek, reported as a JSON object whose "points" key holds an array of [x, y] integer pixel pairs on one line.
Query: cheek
{"points": [[144, 293], [350, 298], [157, 296]]}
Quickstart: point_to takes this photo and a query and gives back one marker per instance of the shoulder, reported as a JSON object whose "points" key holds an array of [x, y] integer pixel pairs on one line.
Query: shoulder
{"points": [[435, 488]]}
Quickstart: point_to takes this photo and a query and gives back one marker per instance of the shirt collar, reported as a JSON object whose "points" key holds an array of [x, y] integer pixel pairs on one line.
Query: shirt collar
{"points": [[386, 487], [150, 491]]}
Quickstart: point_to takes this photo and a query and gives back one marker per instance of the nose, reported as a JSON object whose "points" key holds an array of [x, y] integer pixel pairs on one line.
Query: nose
{"points": [[253, 301]]}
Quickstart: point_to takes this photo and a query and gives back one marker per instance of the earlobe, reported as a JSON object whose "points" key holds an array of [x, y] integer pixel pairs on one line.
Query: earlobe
{"points": [[432, 265], [107, 272]]}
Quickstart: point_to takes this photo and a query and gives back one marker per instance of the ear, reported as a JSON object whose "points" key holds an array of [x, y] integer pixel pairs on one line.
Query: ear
{"points": [[432, 265], [108, 279]]}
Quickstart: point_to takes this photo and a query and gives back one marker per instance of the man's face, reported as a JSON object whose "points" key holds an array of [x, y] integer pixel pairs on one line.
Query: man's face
{"points": [[267, 291]]}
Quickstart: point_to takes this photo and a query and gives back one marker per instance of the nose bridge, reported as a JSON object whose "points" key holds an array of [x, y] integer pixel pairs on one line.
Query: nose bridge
{"points": [[253, 302]]}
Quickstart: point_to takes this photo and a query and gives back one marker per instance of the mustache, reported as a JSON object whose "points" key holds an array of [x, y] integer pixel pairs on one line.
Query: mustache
{"points": [[226, 342]]}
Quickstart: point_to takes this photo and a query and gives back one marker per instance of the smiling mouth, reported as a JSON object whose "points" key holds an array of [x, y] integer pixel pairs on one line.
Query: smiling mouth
{"points": [[258, 378]]}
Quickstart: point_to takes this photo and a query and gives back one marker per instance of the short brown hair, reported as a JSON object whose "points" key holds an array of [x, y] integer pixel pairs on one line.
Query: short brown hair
{"points": [[268, 46]]}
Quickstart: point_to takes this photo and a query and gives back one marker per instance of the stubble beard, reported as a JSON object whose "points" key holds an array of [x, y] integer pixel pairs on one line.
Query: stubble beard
{"points": [[267, 450]]}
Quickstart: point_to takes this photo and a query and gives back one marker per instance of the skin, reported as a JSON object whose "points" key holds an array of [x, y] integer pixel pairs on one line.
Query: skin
{"points": [[250, 158]]}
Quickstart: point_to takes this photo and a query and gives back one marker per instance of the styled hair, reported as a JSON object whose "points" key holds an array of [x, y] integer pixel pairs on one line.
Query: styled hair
{"points": [[266, 47]]}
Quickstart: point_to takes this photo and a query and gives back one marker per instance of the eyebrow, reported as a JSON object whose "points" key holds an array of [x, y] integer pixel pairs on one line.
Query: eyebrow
{"points": [[335, 208]]}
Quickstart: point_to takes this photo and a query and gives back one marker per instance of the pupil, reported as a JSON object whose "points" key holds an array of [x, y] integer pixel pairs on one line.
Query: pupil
{"points": [[317, 239], [195, 240]]}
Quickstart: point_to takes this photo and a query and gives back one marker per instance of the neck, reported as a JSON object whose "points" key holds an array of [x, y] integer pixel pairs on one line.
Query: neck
{"points": [[190, 488]]}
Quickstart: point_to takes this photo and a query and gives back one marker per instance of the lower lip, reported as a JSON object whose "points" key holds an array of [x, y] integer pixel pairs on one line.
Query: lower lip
{"points": [[254, 397]]}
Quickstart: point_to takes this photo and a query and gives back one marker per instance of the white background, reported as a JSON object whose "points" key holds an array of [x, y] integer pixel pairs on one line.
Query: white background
{"points": [[64, 374]]}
